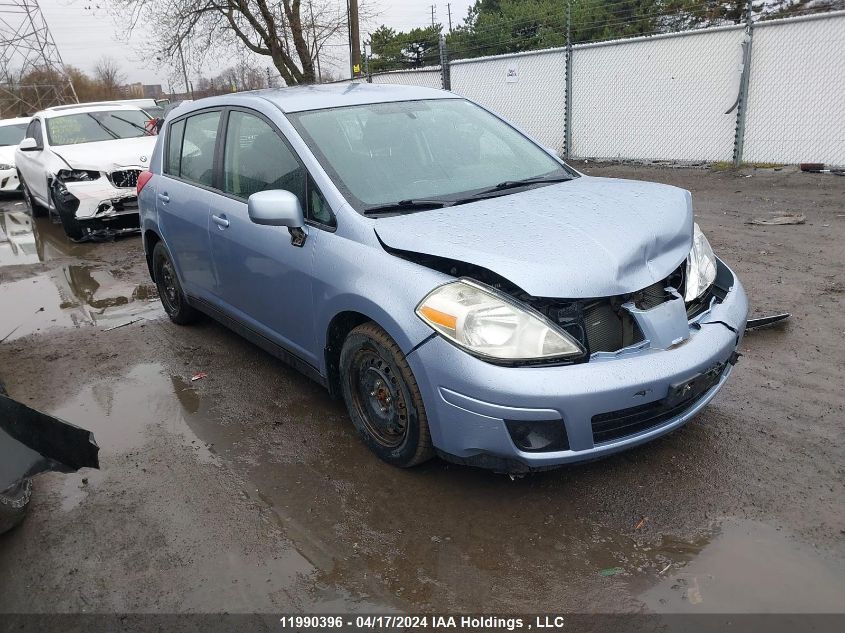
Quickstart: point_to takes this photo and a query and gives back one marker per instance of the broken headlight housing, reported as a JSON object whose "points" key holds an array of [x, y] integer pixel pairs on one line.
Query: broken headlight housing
{"points": [[77, 175], [701, 266], [493, 325]]}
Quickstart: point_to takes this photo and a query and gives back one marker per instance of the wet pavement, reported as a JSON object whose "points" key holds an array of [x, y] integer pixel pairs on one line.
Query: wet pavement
{"points": [[248, 490]]}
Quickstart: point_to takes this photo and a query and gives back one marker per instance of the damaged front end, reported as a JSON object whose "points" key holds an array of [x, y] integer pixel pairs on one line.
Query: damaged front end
{"points": [[93, 205], [32, 442]]}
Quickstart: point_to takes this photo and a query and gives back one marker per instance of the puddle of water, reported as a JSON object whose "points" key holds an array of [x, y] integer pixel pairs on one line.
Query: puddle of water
{"points": [[24, 240], [747, 567], [123, 410], [73, 296]]}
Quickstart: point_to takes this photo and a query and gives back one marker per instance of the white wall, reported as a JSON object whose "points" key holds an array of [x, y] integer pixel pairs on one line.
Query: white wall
{"points": [[667, 97], [527, 89], [796, 98], [428, 78], [658, 98]]}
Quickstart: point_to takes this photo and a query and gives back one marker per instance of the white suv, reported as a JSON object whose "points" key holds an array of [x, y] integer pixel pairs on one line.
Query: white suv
{"points": [[82, 163]]}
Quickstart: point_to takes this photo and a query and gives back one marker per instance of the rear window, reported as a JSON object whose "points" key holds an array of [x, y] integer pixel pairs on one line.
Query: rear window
{"points": [[190, 149]]}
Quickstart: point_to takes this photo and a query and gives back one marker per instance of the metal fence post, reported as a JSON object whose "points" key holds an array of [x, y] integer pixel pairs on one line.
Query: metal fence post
{"points": [[742, 99], [445, 79], [567, 108]]}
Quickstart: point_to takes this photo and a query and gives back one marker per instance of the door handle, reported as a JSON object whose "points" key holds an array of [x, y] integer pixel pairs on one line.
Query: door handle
{"points": [[221, 221], [164, 198]]}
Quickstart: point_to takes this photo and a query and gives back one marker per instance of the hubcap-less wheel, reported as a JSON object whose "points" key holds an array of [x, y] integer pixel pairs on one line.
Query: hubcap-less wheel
{"points": [[383, 398], [379, 399], [168, 289]]}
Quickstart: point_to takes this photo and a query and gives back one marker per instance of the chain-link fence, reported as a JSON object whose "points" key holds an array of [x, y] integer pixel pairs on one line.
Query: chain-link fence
{"points": [[690, 96]]}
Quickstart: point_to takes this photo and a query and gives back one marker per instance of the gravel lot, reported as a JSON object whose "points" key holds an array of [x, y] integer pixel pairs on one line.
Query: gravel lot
{"points": [[248, 491]]}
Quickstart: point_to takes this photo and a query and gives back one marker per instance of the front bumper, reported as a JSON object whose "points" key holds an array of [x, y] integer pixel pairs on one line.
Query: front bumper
{"points": [[97, 199], [9, 181], [468, 400]]}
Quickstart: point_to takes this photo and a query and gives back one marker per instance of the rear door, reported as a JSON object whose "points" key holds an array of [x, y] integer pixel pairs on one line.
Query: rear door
{"points": [[184, 198], [265, 281]]}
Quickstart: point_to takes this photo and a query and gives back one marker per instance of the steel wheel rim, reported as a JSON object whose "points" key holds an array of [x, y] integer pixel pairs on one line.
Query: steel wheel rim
{"points": [[168, 290], [379, 399]]}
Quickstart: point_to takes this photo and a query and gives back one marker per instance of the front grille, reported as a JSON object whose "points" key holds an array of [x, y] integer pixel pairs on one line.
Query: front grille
{"points": [[125, 178], [624, 422]]}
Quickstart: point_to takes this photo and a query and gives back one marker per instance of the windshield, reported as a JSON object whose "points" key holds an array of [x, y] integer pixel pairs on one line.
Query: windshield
{"points": [[434, 149], [89, 127], [12, 134]]}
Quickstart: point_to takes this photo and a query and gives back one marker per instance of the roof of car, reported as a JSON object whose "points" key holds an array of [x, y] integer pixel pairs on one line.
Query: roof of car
{"points": [[79, 108], [18, 121], [319, 96]]}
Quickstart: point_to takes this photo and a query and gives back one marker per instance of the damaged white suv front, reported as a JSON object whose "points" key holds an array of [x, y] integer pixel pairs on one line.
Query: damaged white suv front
{"points": [[82, 162]]}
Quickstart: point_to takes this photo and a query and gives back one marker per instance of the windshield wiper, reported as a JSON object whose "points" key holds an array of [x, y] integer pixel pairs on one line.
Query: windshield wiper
{"points": [[410, 205], [108, 130], [133, 124], [513, 184]]}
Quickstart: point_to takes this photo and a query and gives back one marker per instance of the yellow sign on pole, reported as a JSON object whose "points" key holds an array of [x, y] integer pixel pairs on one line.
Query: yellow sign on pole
{"points": [[356, 69]]}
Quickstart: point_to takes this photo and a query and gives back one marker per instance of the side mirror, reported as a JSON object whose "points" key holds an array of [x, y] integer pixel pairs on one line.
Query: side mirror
{"points": [[277, 207], [29, 144]]}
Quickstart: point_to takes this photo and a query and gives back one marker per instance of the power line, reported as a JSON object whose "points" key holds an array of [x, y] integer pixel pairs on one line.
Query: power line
{"points": [[27, 48]]}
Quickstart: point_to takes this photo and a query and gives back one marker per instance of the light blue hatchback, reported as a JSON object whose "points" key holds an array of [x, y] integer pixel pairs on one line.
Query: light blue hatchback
{"points": [[465, 291]]}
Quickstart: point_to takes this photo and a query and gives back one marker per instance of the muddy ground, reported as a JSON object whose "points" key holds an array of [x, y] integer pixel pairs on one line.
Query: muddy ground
{"points": [[248, 491]]}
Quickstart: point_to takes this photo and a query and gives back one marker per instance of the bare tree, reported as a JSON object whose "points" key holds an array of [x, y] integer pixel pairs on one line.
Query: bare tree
{"points": [[108, 74], [291, 33]]}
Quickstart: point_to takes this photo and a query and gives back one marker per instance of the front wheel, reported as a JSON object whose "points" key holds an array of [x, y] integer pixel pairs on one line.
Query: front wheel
{"points": [[35, 210], [383, 398], [169, 289]]}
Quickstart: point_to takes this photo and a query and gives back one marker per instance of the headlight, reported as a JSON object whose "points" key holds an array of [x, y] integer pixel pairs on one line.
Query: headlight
{"points": [[4, 166], [76, 175], [701, 266], [492, 325]]}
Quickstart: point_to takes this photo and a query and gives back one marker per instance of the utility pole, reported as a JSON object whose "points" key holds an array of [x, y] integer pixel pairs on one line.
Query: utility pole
{"points": [[449, 12], [27, 45], [354, 39], [433, 14]]}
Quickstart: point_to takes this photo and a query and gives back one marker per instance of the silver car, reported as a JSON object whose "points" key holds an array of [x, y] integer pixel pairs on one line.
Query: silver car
{"points": [[464, 291]]}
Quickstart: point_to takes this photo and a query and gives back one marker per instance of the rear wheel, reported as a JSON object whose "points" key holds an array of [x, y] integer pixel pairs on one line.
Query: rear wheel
{"points": [[383, 398], [169, 289]]}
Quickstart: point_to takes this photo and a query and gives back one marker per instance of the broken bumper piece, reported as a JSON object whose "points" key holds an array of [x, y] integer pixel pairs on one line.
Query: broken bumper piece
{"points": [[102, 210]]}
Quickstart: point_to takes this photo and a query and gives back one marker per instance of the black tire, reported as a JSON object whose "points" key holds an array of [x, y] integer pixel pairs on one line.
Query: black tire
{"points": [[169, 289], [13, 504], [383, 398], [35, 210]]}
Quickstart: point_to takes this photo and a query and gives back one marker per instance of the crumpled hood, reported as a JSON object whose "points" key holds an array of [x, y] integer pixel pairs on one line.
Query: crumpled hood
{"points": [[108, 155], [589, 237]]}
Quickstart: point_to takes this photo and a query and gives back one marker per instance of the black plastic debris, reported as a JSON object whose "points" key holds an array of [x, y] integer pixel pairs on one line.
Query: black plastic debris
{"points": [[32, 442], [767, 320]]}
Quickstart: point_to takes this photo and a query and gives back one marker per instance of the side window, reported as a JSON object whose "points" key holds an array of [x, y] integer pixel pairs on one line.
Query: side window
{"points": [[174, 147], [318, 208], [257, 159], [196, 160]]}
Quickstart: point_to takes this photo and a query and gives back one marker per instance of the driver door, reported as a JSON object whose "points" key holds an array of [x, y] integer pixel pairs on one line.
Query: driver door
{"points": [[31, 163]]}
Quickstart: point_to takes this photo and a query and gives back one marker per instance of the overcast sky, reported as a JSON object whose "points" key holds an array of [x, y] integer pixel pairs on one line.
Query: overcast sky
{"points": [[84, 33]]}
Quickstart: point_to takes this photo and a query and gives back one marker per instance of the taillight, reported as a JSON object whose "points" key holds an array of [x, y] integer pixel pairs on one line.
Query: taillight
{"points": [[143, 179]]}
